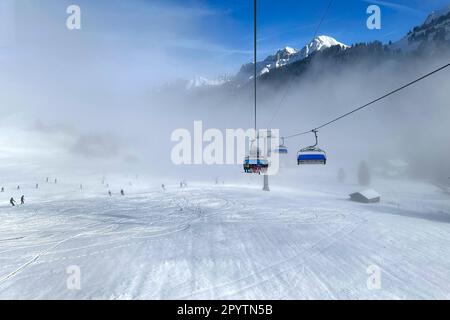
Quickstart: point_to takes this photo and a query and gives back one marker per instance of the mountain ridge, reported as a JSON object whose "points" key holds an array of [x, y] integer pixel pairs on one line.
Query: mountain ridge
{"points": [[428, 38]]}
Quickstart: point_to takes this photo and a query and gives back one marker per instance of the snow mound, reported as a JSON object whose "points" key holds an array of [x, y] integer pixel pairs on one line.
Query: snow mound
{"points": [[370, 193], [366, 196]]}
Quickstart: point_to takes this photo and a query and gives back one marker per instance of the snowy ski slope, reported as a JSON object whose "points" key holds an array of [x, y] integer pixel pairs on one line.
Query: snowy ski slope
{"points": [[224, 242]]}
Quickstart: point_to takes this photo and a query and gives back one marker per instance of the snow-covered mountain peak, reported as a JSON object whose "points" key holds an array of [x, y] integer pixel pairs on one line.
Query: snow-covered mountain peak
{"points": [[287, 56], [320, 43], [199, 82], [287, 50], [290, 50], [281, 54]]}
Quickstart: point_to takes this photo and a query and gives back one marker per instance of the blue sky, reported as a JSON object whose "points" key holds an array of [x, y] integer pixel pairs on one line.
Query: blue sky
{"points": [[154, 41], [292, 22]]}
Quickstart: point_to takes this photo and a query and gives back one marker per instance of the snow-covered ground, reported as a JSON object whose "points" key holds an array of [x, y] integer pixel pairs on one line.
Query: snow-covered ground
{"points": [[223, 241]]}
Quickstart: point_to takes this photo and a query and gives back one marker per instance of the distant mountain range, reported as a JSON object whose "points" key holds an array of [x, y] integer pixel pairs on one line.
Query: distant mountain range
{"points": [[287, 56], [431, 37], [435, 31], [199, 82]]}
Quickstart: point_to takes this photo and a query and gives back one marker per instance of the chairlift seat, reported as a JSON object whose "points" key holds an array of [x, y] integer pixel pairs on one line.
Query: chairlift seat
{"points": [[281, 150], [311, 155], [256, 165]]}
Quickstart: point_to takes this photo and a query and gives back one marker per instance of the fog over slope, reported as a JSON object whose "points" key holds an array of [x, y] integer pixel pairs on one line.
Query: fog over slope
{"points": [[71, 103]]}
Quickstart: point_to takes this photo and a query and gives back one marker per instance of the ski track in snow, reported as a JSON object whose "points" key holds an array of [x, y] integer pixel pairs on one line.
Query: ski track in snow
{"points": [[224, 242]]}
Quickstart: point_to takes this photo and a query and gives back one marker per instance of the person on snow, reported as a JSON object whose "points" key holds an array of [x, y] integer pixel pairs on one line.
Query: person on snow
{"points": [[47, 179], [163, 187], [37, 185], [18, 187], [109, 192], [3, 189], [22, 199], [12, 201], [122, 192]]}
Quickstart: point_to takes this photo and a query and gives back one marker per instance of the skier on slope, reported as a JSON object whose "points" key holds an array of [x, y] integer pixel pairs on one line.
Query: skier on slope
{"points": [[3, 189], [109, 192], [22, 199], [12, 201], [122, 192], [163, 187]]}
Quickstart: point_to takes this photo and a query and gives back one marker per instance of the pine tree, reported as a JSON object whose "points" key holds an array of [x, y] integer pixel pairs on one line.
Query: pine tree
{"points": [[341, 175], [363, 174]]}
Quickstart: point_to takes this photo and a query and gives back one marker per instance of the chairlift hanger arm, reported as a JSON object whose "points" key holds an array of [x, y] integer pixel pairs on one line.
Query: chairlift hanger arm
{"points": [[317, 140]]}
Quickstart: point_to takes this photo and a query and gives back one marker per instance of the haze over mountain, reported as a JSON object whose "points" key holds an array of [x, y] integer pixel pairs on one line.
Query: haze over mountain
{"points": [[430, 38], [301, 88]]}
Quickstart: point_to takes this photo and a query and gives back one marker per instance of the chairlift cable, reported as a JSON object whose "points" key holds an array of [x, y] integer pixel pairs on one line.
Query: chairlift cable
{"points": [[259, 164], [330, 2], [254, 57], [370, 103]]}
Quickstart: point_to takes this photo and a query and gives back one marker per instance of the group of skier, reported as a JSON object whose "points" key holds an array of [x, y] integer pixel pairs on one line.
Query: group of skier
{"points": [[48, 179], [183, 184], [13, 202]]}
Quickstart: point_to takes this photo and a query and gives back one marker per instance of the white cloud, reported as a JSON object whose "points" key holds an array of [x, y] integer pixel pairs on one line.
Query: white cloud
{"points": [[396, 6]]}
